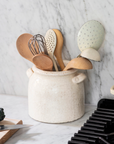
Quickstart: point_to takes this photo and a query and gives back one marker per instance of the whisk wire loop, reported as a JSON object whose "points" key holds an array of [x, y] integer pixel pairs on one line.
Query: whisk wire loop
{"points": [[37, 44]]}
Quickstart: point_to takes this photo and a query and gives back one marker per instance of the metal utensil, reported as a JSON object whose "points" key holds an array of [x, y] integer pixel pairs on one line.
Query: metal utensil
{"points": [[50, 38], [91, 35], [37, 46], [9, 127]]}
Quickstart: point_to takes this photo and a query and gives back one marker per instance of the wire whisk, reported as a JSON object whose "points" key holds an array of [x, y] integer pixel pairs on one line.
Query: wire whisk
{"points": [[37, 44]]}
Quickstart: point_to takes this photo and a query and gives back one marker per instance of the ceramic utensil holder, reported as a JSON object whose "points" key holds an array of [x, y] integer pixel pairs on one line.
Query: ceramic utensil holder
{"points": [[55, 97]]}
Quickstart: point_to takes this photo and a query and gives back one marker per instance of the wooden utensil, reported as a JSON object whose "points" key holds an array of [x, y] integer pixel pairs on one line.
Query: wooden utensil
{"points": [[23, 49], [58, 49], [22, 46], [79, 63], [43, 62], [5, 135], [50, 38]]}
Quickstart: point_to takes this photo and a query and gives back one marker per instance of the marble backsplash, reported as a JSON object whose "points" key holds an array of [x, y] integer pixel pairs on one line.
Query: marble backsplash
{"points": [[37, 16]]}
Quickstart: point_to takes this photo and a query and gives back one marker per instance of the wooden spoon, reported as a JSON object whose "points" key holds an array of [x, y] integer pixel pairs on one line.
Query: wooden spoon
{"points": [[79, 63], [43, 62], [58, 49], [22, 46]]}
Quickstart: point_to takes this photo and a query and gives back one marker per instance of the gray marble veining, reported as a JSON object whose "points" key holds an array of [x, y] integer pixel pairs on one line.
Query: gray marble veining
{"points": [[28, 16]]}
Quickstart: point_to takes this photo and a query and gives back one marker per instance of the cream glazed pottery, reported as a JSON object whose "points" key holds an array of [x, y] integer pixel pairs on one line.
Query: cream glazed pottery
{"points": [[91, 53], [112, 90], [91, 35], [55, 97]]}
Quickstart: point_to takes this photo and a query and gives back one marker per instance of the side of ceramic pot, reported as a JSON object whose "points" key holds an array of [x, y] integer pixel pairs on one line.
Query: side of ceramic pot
{"points": [[55, 98], [112, 90]]}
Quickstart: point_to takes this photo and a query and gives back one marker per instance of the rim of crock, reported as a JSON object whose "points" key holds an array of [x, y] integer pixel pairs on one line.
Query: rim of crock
{"points": [[55, 73]]}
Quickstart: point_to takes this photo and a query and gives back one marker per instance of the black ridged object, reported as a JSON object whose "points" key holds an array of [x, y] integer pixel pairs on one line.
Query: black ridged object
{"points": [[99, 128]]}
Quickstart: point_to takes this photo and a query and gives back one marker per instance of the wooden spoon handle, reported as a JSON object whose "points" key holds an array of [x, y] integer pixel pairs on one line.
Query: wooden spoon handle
{"points": [[58, 49], [66, 68], [54, 62], [60, 61]]}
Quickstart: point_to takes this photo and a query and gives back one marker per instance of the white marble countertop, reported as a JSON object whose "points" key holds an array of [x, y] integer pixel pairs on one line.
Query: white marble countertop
{"points": [[16, 107]]}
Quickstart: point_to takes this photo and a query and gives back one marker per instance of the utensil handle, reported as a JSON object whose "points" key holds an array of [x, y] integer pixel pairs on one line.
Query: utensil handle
{"points": [[60, 61], [79, 78], [54, 62]]}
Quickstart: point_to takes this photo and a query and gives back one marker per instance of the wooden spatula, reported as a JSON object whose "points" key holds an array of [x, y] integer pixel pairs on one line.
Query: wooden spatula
{"points": [[58, 49]]}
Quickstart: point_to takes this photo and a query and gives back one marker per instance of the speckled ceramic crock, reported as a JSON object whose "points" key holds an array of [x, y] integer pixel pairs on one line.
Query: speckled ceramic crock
{"points": [[55, 97]]}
